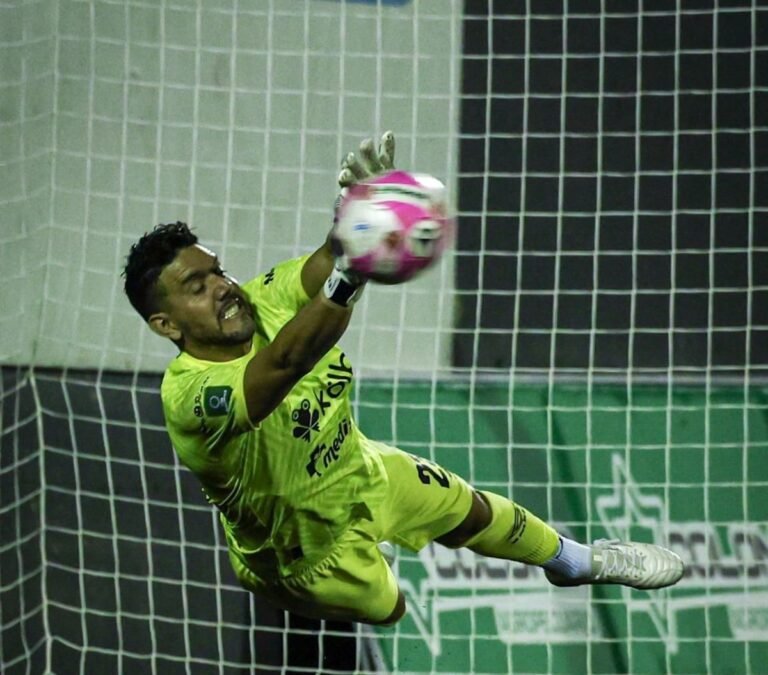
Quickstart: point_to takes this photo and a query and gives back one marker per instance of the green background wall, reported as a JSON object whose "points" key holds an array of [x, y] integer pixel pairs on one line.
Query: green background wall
{"points": [[683, 466]]}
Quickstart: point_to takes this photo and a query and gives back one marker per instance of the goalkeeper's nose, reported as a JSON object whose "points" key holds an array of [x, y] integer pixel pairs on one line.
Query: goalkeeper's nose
{"points": [[224, 287]]}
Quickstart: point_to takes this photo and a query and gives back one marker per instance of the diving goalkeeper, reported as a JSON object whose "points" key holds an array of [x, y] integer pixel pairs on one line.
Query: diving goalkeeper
{"points": [[257, 406]]}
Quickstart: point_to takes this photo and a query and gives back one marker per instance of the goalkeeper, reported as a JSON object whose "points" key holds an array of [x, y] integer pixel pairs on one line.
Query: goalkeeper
{"points": [[257, 406]]}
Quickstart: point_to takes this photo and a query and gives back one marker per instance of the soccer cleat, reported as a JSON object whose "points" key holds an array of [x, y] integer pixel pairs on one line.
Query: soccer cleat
{"points": [[643, 566]]}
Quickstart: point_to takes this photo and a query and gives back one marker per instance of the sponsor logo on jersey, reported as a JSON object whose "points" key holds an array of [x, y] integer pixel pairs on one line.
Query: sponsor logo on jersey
{"points": [[309, 415], [338, 376], [327, 453], [217, 400], [307, 421]]}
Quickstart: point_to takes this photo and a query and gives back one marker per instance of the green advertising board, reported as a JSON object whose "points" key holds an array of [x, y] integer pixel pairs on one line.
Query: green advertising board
{"points": [[683, 466]]}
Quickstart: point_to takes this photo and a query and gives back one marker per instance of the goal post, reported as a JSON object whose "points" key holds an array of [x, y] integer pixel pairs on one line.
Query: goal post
{"points": [[594, 345]]}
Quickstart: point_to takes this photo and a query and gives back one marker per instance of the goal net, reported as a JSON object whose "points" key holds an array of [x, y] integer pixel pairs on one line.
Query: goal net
{"points": [[595, 345]]}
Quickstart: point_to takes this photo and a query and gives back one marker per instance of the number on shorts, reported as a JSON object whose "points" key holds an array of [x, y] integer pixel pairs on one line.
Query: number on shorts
{"points": [[428, 471]]}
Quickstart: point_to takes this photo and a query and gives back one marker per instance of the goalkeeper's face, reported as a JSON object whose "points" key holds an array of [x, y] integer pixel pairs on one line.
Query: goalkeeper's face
{"points": [[202, 307]]}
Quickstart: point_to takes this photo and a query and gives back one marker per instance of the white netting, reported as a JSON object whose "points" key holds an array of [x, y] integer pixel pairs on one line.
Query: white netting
{"points": [[595, 346]]}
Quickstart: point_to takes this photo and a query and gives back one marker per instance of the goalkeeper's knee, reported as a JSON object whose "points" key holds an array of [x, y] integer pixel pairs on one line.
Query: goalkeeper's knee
{"points": [[514, 533]]}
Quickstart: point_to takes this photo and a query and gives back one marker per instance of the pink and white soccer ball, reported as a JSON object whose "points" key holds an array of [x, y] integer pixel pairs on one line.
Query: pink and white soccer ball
{"points": [[393, 226]]}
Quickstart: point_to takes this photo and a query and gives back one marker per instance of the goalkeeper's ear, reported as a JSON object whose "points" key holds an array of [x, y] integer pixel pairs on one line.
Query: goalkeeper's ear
{"points": [[164, 326]]}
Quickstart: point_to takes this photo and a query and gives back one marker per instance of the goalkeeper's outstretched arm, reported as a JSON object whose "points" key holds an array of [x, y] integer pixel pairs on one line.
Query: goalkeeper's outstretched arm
{"points": [[317, 268], [274, 370]]}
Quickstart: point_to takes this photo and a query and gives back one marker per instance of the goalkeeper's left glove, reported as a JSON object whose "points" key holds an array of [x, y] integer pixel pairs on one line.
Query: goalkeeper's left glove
{"points": [[370, 163]]}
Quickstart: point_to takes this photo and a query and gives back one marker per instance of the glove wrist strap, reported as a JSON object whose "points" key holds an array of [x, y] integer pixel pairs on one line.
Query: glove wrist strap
{"points": [[341, 290]]}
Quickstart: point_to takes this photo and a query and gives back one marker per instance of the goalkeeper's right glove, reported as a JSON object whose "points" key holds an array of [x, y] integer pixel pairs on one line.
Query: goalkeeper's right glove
{"points": [[370, 163], [343, 286]]}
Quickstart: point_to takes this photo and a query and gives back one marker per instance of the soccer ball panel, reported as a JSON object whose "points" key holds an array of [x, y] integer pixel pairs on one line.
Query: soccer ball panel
{"points": [[424, 238], [363, 225], [394, 226]]}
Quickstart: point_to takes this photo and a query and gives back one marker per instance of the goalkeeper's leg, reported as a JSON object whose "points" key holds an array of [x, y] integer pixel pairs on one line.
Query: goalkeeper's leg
{"points": [[499, 528], [427, 503]]}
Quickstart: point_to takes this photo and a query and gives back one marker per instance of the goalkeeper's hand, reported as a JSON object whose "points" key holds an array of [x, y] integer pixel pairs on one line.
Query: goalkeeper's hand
{"points": [[369, 164], [353, 169], [370, 161]]}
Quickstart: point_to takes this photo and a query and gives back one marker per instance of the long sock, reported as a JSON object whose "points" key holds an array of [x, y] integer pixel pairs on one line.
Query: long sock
{"points": [[572, 560], [514, 533]]}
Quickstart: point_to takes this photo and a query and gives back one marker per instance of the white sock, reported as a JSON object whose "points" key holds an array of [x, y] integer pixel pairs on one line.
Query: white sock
{"points": [[572, 560]]}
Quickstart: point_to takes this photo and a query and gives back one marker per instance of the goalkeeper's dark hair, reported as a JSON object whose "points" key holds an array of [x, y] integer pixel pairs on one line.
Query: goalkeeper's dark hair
{"points": [[147, 259]]}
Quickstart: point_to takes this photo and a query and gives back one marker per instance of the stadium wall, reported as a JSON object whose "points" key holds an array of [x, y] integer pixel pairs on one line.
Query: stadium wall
{"points": [[232, 117], [27, 93]]}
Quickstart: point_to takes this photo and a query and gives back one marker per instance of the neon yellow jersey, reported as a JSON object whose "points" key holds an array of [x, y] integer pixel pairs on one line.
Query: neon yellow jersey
{"points": [[288, 488]]}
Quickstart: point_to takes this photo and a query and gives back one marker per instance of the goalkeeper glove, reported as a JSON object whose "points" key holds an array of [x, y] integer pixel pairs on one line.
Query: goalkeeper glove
{"points": [[343, 287], [370, 163]]}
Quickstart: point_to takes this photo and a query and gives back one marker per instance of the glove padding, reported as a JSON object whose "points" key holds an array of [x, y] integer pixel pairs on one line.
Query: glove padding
{"points": [[370, 163]]}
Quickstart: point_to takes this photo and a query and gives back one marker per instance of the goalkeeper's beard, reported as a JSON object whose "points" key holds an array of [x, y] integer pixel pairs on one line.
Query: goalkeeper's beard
{"points": [[235, 336], [224, 336]]}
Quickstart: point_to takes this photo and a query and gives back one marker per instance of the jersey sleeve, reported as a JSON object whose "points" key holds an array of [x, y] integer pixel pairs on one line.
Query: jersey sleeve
{"points": [[280, 291], [205, 411]]}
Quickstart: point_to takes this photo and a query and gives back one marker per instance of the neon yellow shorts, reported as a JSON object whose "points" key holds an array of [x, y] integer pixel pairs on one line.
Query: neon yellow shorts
{"points": [[354, 582]]}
